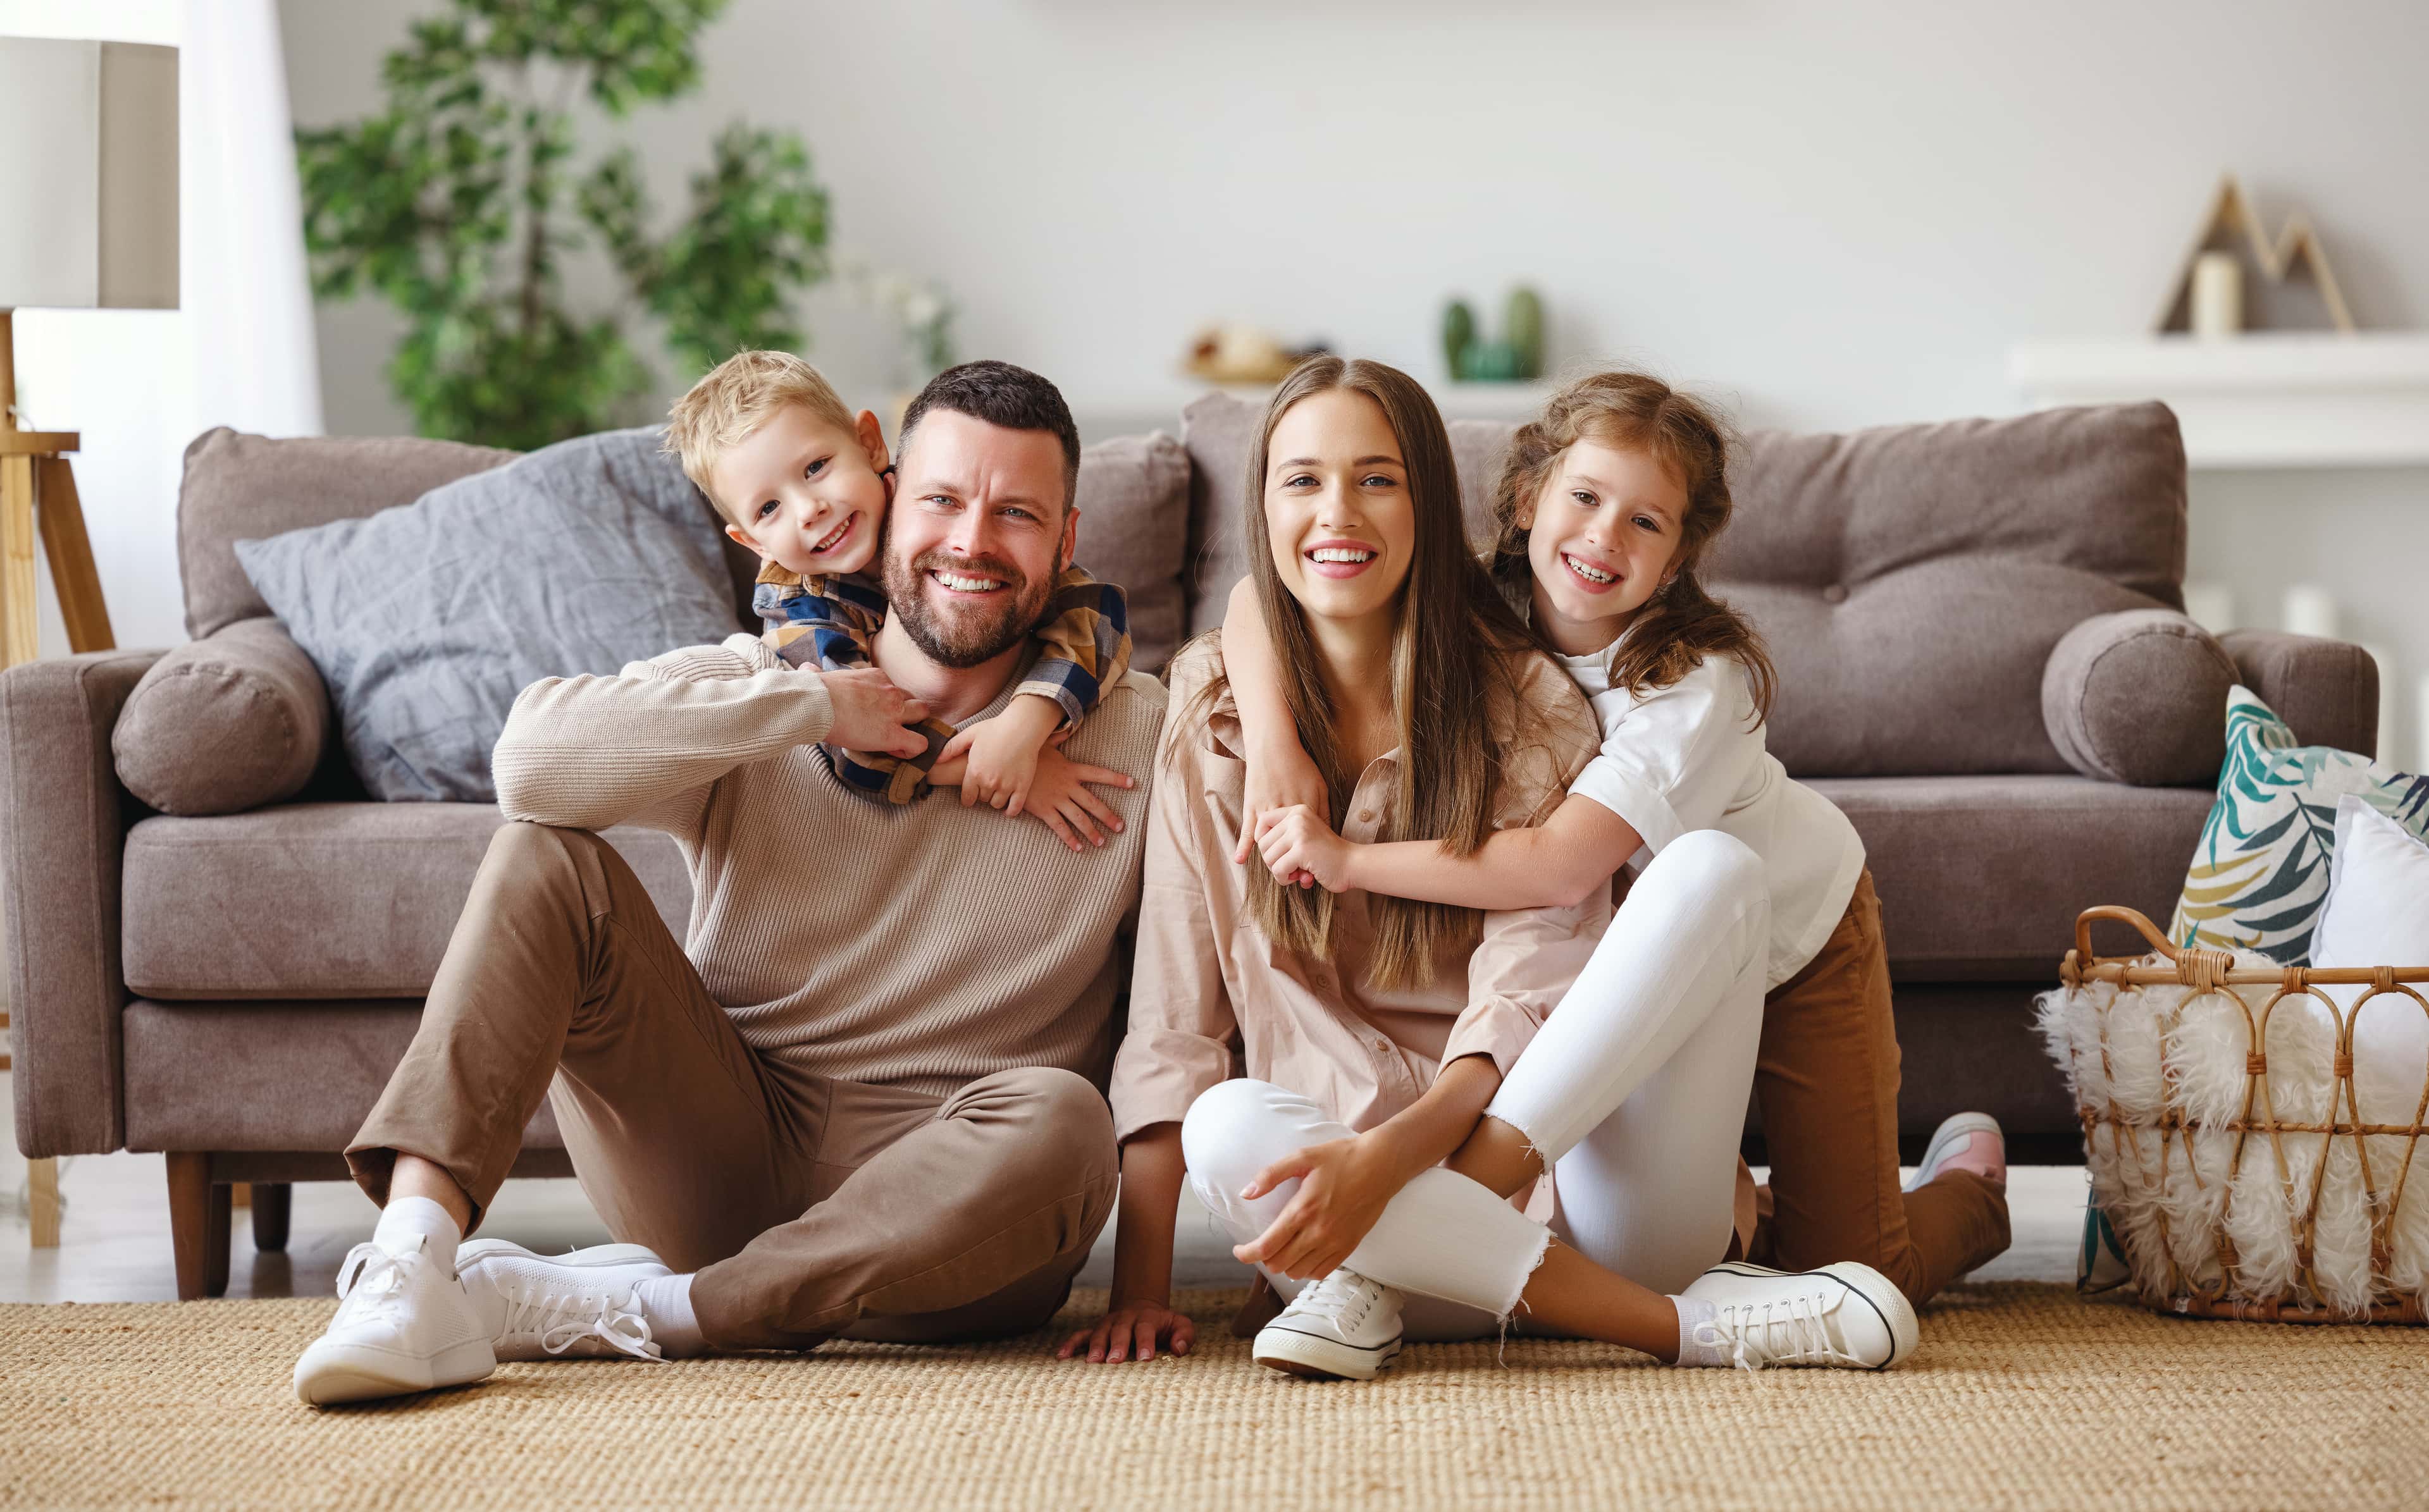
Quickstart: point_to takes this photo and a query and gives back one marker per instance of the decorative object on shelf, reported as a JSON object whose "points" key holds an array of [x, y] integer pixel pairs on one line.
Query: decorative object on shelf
{"points": [[1235, 353], [2251, 1162], [1517, 357], [452, 202], [2208, 296], [89, 164]]}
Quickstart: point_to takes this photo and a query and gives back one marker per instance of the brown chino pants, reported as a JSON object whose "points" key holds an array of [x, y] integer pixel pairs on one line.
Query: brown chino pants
{"points": [[808, 1206], [1827, 1075]]}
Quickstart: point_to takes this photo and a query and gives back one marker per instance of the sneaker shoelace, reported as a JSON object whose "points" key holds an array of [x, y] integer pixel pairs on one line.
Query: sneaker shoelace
{"points": [[372, 1281], [1335, 1298], [561, 1320], [1784, 1331]]}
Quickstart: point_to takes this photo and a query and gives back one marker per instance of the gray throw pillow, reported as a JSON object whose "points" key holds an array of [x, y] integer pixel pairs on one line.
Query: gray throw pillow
{"points": [[426, 620]]}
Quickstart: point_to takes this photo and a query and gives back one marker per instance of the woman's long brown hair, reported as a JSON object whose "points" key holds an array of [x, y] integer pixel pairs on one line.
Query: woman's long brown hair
{"points": [[1451, 693], [1682, 624]]}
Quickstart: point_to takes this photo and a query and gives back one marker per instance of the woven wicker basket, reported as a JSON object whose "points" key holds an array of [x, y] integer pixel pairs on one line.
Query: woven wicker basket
{"points": [[2220, 1289]]}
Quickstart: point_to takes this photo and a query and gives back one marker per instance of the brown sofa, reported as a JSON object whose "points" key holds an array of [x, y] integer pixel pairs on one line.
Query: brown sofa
{"points": [[217, 948]]}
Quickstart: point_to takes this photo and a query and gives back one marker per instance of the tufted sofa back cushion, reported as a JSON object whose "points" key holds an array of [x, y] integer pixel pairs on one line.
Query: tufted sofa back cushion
{"points": [[1911, 580]]}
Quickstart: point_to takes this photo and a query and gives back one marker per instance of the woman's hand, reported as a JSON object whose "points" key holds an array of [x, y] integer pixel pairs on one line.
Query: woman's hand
{"points": [[1342, 1188], [1279, 777], [1133, 1327], [1298, 845]]}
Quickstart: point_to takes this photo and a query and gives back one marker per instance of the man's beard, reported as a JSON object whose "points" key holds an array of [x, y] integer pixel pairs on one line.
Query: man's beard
{"points": [[982, 631]]}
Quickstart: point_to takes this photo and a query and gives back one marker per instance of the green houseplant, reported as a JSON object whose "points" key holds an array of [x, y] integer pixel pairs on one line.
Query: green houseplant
{"points": [[457, 200]]}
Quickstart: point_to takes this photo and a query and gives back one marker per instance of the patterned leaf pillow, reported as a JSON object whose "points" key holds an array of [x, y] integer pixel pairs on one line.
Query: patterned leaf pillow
{"points": [[2260, 873]]}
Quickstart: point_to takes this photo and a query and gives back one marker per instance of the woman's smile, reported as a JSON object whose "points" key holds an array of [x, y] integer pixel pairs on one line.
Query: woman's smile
{"points": [[1340, 558]]}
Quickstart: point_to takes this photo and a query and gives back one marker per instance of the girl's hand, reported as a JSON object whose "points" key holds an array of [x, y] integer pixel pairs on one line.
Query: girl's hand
{"points": [[1342, 1187], [1278, 779], [1132, 1326], [1298, 845]]}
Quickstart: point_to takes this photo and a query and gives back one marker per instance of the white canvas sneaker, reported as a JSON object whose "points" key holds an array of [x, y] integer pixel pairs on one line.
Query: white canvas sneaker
{"points": [[577, 1306], [1955, 1133], [404, 1324], [1845, 1315], [1344, 1327]]}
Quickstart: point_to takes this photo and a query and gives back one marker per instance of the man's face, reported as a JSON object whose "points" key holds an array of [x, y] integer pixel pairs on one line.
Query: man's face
{"points": [[978, 535]]}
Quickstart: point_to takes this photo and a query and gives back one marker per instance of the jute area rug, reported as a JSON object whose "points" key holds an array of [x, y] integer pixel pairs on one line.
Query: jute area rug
{"points": [[2019, 1396]]}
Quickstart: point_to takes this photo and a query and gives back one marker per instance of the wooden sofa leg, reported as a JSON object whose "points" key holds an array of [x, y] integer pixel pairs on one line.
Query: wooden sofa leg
{"points": [[43, 1201], [273, 1201], [199, 1214]]}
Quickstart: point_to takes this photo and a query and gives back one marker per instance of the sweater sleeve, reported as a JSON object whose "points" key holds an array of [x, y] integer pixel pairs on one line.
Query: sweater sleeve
{"points": [[646, 745]]}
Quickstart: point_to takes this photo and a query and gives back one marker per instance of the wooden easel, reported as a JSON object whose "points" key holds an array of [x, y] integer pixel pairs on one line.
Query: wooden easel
{"points": [[38, 494]]}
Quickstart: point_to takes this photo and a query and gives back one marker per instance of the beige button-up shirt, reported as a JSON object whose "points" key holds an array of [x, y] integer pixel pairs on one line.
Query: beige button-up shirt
{"points": [[1208, 980]]}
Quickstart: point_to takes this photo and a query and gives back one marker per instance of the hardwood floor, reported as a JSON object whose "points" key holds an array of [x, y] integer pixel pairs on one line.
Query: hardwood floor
{"points": [[114, 1239]]}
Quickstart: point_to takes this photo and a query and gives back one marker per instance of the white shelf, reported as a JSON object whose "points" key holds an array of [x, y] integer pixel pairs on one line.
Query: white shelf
{"points": [[2264, 400], [1157, 402]]}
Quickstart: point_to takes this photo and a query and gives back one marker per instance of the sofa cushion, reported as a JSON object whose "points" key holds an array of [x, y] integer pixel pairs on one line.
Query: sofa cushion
{"points": [[242, 487], [1981, 877], [322, 899], [428, 620], [268, 1075], [1133, 518], [2139, 697], [232, 721]]}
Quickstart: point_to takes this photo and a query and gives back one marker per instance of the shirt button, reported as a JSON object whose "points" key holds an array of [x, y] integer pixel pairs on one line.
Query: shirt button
{"points": [[1366, 817], [1835, 593]]}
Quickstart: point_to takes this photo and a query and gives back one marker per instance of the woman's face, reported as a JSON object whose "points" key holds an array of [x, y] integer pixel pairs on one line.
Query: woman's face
{"points": [[1338, 514], [1601, 540]]}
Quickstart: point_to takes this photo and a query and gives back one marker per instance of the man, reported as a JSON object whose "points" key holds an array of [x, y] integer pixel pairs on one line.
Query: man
{"points": [[867, 1097]]}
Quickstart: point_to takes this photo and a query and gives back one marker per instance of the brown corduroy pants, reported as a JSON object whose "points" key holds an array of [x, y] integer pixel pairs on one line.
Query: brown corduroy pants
{"points": [[1827, 1075], [808, 1206]]}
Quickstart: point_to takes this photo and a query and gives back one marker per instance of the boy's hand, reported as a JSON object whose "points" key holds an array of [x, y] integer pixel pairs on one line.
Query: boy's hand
{"points": [[1148, 1323], [871, 714], [1060, 798], [1279, 778], [1299, 846], [1001, 752]]}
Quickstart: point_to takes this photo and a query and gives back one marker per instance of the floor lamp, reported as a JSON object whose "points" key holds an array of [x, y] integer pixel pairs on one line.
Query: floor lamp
{"points": [[89, 169]]}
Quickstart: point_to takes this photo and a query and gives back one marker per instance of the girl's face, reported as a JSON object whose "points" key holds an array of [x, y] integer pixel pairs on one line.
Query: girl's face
{"points": [[1601, 540], [1338, 516]]}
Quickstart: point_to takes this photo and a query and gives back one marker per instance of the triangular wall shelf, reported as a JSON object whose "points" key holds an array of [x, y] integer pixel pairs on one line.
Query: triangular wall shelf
{"points": [[2232, 219]]}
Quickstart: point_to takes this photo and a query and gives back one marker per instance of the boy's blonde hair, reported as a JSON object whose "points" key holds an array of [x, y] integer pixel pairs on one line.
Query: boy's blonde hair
{"points": [[724, 408]]}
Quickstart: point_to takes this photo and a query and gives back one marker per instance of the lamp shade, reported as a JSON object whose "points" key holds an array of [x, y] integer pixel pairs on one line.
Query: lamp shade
{"points": [[89, 173]]}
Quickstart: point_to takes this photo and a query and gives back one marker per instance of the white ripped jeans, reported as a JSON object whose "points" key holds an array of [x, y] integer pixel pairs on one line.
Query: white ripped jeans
{"points": [[1634, 1093]]}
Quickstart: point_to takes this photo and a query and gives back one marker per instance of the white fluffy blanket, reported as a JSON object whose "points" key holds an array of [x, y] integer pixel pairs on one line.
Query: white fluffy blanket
{"points": [[2175, 1201]]}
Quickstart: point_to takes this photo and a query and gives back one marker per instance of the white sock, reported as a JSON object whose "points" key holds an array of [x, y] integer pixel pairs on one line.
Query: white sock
{"points": [[665, 1303], [408, 1219], [1693, 1350]]}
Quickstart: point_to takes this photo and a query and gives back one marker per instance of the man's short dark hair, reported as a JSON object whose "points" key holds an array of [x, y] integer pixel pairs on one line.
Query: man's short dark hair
{"points": [[1000, 394]]}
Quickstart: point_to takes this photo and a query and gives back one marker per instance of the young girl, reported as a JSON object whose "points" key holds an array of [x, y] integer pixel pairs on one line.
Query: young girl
{"points": [[1605, 509], [1406, 1068]]}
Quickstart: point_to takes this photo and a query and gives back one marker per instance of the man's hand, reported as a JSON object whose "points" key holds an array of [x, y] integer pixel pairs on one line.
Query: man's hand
{"points": [[1298, 845], [1281, 776], [1342, 1188], [1138, 1326], [871, 714], [1002, 752], [1060, 799]]}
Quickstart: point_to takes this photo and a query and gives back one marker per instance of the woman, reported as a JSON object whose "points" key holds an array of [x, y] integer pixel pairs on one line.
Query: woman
{"points": [[1409, 1070]]}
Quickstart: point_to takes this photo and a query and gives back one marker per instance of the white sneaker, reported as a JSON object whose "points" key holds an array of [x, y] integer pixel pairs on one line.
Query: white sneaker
{"points": [[1955, 1133], [1847, 1315], [577, 1306], [404, 1324], [1344, 1328]]}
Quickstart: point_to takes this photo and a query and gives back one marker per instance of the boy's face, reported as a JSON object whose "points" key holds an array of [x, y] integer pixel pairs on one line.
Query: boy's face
{"points": [[803, 494]]}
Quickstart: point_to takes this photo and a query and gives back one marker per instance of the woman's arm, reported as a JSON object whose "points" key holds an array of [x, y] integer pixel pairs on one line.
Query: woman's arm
{"points": [[1558, 863], [1280, 774], [1345, 1185], [1140, 1316]]}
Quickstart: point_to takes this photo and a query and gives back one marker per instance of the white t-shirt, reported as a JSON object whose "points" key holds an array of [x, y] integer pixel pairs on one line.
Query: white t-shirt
{"points": [[1691, 756]]}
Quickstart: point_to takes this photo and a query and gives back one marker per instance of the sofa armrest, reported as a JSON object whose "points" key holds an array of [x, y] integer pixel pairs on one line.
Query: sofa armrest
{"points": [[2326, 689], [62, 832]]}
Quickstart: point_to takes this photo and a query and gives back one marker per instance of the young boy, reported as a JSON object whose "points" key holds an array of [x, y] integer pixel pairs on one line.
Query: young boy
{"points": [[804, 483]]}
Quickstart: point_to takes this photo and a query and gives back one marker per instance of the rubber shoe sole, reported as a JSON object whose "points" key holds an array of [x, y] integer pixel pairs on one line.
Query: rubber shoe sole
{"points": [[1293, 1353], [332, 1373], [597, 1255], [1886, 1300], [1952, 1131]]}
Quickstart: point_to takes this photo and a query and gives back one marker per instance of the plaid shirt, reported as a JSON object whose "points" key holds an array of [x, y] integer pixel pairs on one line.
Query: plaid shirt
{"points": [[829, 622]]}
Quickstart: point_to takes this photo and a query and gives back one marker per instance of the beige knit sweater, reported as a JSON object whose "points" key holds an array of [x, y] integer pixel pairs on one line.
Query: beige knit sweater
{"points": [[918, 946]]}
